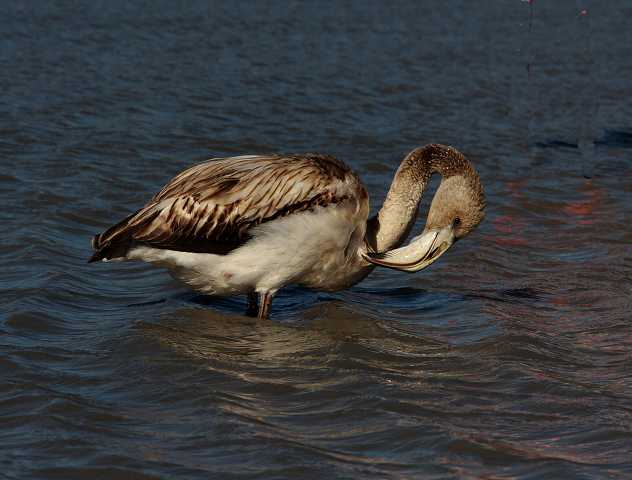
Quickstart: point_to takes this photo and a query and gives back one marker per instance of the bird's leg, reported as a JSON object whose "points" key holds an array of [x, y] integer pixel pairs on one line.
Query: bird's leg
{"points": [[253, 308], [265, 302]]}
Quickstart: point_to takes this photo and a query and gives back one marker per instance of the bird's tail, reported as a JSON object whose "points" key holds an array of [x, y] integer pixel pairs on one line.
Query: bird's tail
{"points": [[115, 242]]}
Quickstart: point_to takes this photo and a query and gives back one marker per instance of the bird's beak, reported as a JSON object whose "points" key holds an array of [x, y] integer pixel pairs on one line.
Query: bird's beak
{"points": [[418, 254]]}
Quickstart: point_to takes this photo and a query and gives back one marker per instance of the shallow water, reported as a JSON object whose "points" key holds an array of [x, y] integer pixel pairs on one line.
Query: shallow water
{"points": [[509, 358]]}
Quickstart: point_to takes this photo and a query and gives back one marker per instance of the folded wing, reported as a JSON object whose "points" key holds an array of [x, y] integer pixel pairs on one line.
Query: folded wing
{"points": [[212, 206]]}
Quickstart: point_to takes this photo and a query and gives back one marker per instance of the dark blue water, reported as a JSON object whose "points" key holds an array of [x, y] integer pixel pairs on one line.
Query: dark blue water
{"points": [[509, 358]]}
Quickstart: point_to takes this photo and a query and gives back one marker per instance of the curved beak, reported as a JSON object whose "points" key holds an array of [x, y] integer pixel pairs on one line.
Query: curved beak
{"points": [[418, 254]]}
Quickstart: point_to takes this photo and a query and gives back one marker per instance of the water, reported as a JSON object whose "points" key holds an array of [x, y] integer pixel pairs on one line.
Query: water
{"points": [[508, 358]]}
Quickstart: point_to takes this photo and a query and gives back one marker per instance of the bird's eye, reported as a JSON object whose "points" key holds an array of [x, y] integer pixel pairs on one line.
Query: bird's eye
{"points": [[456, 222]]}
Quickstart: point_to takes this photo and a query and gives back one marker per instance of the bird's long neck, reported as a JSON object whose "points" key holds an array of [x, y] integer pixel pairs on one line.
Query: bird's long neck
{"points": [[390, 227]]}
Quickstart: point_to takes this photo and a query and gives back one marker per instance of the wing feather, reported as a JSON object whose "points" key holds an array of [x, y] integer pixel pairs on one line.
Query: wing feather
{"points": [[212, 206]]}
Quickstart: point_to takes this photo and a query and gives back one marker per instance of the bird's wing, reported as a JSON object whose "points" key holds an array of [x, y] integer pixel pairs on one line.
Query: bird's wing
{"points": [[211, 207]]}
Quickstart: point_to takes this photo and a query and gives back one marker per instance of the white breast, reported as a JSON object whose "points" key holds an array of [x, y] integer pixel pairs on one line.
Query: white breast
{"points": [[318, 249]]}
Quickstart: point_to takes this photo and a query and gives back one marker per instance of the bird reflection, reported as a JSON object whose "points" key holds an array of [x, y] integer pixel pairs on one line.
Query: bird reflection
{"points": [[210, 334], [316, 340]]}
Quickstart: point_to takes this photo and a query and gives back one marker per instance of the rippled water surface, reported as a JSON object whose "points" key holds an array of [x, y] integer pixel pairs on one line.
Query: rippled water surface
{"points": [[509, 358]]}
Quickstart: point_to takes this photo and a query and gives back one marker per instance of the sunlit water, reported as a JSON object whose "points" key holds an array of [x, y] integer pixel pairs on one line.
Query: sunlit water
{"points": [[509, 358]]}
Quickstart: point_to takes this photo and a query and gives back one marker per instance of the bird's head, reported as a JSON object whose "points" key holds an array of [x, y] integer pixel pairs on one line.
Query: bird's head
{"points": [[456, 209]]}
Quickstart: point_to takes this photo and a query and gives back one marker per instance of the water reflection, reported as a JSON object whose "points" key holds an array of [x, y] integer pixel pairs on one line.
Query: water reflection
{"points": [[209, 334], [313, 338]]}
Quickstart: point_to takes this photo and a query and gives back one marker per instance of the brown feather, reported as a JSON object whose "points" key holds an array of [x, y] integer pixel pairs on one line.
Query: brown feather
{"points": [[211, 207]]}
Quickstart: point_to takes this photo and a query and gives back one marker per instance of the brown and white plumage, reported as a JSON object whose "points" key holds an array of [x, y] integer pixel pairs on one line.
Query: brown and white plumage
{"points": [[211, 207], [252, 224]]}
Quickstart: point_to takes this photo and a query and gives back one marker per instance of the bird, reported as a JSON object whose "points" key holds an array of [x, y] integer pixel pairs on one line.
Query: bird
{"points": [[253, 224]]}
